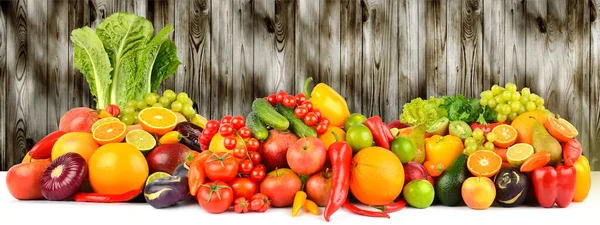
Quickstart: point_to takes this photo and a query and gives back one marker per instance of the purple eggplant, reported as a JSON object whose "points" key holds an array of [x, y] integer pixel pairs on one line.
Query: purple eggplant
{"points": [[190, 133], [167, 191]]}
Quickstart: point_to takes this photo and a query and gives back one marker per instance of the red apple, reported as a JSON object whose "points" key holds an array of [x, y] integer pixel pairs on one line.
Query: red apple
{"points": [[281, 186], [167, 157], [78, 119], [307, 155], [414, 171], [23, 181], [318, 187], [274, 149]]}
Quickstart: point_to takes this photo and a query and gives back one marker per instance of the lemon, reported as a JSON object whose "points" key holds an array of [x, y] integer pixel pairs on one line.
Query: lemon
{"points": [[141, 139], [518, 153]]}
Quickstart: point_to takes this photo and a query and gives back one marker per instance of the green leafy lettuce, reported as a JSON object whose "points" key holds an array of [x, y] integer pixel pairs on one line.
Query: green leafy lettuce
{"points": [[122, 60], [419, 111], [468, 110]]}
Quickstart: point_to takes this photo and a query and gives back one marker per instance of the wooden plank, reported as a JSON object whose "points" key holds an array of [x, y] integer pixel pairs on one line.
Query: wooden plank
{"points": [[408, 52], [100, 9], [265, 75], [422, 81], [455, 53], [329, 43], [58, 66], [536, 28], [435, 47], [243, 56], [351, 53], [494, 42], [594, 89], [472, 43], [556, 68], [221, 58], [78, 88], [162, 13], [307, 43], [514, 43], [285, 13], [3, 82]]}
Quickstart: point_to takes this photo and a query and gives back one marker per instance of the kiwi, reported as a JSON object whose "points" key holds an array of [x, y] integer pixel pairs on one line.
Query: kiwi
{"points": [[460, 129], [439, 127]]}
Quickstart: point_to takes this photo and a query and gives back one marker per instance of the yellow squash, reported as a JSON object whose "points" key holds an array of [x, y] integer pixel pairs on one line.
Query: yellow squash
{"points": [[331, 104]]}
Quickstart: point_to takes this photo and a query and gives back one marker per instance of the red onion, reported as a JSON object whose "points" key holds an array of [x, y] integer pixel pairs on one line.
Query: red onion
{"points": [[63, 177]]}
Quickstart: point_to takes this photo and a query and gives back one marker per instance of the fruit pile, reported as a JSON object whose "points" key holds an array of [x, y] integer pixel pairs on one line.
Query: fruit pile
{"points": [[308, 151]]}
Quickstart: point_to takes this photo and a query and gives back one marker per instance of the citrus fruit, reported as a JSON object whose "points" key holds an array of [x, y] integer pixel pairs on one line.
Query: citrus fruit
{"points": [[116, 168], [484, 163], [180, 117], [560, 129], [404, 149], [216, 143], [518, 153], [199, 120], [524, 125], [82, 143], [155, 176], [103, 121], [111, 132], [141, 139], [376, 176], [157, 120], [506, 135], [419, 193], [328, 138]]}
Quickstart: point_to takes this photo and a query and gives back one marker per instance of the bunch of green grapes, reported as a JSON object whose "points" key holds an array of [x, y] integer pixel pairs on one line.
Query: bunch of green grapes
{"points": [[508, 102], [177, 102], [479, 141]]}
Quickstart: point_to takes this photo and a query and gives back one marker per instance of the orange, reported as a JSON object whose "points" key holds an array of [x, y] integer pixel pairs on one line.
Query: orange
{"points": [[328, 138], [116, 168], [376, 176], [111, 132], [560, 129], [484, 163], [506, 135], [157, 120], [524, 125], [82, 143]]}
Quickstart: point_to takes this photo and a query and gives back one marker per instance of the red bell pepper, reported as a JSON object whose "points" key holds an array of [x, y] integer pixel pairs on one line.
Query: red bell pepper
{"points": [[552, 185], [571, 151], [381, 133], [486, 128]]}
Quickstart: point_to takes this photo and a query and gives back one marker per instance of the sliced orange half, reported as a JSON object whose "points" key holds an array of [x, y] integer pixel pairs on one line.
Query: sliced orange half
{"points": [[157, 120], [484, 163], [111, 132], [560, 129], [506, 135]]}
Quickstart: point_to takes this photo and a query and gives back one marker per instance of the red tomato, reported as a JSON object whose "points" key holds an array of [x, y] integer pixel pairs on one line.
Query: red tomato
{"points": [[272, 98], [280, 96], [289, 101], [300, 98], [221, 166], [308, 105], [226, 130], [317, 113], [240, 205], [113, 110], [199, 157], [311, 119], [240, 152], [252, 144], [238, 122], [300, 111], [258, 173], [226, 119], [244, 187], [229, 142], [325, 121], [255, 157], [259, 203], [321, 128], [245, 132], [215, 197], [246, 167]]}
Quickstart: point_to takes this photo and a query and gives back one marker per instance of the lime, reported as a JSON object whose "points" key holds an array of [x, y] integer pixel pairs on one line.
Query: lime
{"points": [[419, 193], [518, 153], [404, 149], [141, 139], [155, 176], [354, 119], [358, 137], [199, 120], [103, 121]]}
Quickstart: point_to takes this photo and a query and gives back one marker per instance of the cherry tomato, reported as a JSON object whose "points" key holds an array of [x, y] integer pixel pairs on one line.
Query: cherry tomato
{"points": [[238, 122], [205, 138], [321, 128], [310, 119], [246, 167], [229, 142], [317, 113], [258, 173], [244, 187], [300, 111], [255, 157], [241, 205], [212, 126], [226, 119], [239, 152], [325, 121], [300, 98], [272, 98], [252, 144], [215, 197], [245, 132], [226, 130], [280, 96], [221, 166], [259, 202], [308, 105], [289, 101], [113, 110]]}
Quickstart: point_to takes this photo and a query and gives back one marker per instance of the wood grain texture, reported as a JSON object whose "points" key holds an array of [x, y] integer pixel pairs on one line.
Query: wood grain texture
{"points": [[267, 77], [243, 56], [329, 43], [408, 52], [494, 39], [58, 65], [162, 13], [78, 89], [3, 78], [351, 53], [594, 89], [285, 40], [307, 42], [514, 43], [435, 47], [221, 59]]}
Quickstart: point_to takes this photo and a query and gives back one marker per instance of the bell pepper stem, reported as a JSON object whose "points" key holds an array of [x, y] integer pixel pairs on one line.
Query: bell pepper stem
{"points": [[335, 136], [306, 83]]}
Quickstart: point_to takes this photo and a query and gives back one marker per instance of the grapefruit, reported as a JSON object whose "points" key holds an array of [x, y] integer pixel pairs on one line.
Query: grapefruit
{"points": [[116, 168], [376, 176], [82, 143]]}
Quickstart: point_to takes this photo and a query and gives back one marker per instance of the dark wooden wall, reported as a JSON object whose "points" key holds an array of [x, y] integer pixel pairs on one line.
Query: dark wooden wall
{"points": [[379, 54]]}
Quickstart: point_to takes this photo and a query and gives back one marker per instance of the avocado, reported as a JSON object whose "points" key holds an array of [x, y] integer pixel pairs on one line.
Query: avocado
{"points": [[439, 127], [448, 186]]}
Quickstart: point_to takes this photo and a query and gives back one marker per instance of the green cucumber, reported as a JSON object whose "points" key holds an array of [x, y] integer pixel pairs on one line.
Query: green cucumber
{"points": [[269, 115], [258, 128], [296, 125]]}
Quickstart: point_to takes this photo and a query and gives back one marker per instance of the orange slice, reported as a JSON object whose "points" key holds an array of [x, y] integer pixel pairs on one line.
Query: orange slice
{"points": [[111, 132], [103, 121], [484, 163], [157, 120], [560, 129], [506, 135]]}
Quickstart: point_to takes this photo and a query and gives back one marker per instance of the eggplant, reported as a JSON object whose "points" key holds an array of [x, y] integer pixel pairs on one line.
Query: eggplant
{"points": [[167, 191], [190, 133], [181, 170]]}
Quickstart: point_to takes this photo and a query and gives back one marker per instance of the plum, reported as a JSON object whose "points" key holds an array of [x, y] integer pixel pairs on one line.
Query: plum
{"points": [[63, 177]]}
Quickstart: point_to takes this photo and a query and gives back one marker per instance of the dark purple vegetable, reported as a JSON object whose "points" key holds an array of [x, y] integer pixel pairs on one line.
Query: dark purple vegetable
{"points": [[181, 170], [167, 191], [63, 177], [190, 133]]}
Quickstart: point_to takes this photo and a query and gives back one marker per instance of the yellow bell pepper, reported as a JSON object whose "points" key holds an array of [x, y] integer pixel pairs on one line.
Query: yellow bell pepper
{"points": [[583, 179], [443, 150], [331, 104]]}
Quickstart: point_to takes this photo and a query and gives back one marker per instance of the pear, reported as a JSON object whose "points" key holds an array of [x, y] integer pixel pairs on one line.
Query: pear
{"points": [[417, 136], [542, 140]]}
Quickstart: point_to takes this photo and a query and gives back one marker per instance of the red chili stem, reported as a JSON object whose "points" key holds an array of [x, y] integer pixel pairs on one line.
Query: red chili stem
{"points": [[363, 212]]}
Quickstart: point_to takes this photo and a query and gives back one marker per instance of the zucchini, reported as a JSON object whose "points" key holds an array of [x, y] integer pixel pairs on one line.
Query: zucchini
{"points": [[296, 125], [258, 128], [269, 115]]}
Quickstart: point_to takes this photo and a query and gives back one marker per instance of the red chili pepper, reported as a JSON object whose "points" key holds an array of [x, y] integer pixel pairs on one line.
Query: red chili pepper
{"points": [[105, 198], [43, 148], [486, 128], [113, 110], [554, 185], [340, 156], [393, 207], [363, 212], [571, 151], [565, 185], [381, 133]]}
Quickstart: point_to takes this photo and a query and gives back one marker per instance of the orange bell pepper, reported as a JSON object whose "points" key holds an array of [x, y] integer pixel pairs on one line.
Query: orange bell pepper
{"points": [[331, 104], [441, 151], [583, 179]]}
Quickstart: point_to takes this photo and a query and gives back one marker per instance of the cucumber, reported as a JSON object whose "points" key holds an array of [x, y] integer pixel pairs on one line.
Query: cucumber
{"points": [[258, 128], [296, 125], [269, 115]]}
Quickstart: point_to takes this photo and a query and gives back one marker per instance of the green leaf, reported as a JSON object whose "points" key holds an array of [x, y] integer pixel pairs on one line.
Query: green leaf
{"points": [[148, 61], [166, 64], [91, 59]]}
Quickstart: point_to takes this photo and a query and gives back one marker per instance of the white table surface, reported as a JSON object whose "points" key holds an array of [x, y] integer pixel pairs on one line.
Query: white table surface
{"points": [[15, 212]]}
